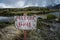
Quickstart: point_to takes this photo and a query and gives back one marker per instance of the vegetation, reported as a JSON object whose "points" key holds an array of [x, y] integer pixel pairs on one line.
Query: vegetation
{"points": [[20, 11], [51, 16], [43, 32], [58, 19]]}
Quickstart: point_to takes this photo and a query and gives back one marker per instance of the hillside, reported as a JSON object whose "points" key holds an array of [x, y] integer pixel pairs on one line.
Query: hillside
{"points": [[54, 7], [21, 11]]}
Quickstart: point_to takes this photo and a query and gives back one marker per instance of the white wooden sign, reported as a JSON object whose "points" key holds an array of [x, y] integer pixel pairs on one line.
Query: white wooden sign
{"points": [[25, 22]]}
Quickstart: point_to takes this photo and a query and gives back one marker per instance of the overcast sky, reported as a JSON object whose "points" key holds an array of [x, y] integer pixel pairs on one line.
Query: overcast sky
{"points": [[26, 3]]}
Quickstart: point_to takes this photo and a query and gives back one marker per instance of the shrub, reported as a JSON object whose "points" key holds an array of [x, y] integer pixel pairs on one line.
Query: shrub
{"points": [[51, 16], [30, 13], [59, 19]]}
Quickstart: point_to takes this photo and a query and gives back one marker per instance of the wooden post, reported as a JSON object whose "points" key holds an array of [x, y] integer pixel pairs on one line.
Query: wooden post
{"points": [[25, 32], [25, 37]]}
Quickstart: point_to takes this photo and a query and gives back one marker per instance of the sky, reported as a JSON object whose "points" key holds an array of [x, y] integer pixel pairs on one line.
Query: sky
{"points": [[27, 3]]}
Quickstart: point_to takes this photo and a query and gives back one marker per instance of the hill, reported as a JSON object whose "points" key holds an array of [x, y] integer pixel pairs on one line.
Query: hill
{"points": [[55, 7], [21, 11]]}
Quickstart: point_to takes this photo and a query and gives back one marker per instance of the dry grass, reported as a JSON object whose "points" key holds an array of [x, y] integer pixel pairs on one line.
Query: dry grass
{"points": [[10, 33]]}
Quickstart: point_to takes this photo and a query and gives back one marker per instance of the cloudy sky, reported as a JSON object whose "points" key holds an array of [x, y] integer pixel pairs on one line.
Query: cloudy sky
{"points": [[26, 3]]}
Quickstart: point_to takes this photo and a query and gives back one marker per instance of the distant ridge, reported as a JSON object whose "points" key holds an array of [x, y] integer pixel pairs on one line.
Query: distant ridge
{"points": [[54, 7]]}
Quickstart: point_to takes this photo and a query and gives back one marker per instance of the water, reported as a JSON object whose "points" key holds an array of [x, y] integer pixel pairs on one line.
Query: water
{"points": [[5, 19], [56, 13]]}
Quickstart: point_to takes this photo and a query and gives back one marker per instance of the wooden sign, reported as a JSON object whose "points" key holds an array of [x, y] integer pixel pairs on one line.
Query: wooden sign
{"points": [[25, 22]]}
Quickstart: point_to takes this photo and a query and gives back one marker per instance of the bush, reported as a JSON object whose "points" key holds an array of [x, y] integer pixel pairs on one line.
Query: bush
{"points": [[30, 13], [51, 16], [59, 19]]}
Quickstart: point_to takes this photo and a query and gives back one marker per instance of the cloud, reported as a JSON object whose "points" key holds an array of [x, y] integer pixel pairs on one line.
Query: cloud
{"points": [[26, 3], [2, 5], [57, 1], [20, 4], [9, 2], [16, 4], [41, 3]]}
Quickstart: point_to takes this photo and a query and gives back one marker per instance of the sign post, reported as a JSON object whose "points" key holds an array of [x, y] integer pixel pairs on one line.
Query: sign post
{"points": [[25, 36], [25, 23]]}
